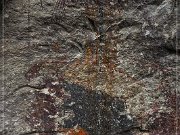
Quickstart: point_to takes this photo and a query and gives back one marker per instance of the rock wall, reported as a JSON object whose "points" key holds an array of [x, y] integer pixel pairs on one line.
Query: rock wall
{"points": [[90, 67]]}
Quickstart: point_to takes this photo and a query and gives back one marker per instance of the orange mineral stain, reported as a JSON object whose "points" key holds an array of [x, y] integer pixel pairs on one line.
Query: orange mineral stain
{"points": [[72, 131], [77, 132]]}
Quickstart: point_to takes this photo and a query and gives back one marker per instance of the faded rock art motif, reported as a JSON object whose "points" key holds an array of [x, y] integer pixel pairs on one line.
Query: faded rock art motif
{"points": [[90, 68]]}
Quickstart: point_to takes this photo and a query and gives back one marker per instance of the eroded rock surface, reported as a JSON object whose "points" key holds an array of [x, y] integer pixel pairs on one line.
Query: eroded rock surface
{"points": [[90, 68]]}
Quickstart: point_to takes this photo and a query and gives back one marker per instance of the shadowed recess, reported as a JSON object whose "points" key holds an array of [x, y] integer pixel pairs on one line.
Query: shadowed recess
{"points": [[97, 112]]}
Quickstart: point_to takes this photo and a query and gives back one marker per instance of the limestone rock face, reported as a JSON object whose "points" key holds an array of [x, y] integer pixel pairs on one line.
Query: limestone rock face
{"points": [[107, 67]]}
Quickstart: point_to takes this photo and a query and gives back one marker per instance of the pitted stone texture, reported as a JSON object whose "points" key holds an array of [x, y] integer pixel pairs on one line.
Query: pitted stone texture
{"points": [[50, 41]]}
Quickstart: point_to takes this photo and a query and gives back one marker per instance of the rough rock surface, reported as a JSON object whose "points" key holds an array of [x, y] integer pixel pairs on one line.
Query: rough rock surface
{"points": [[106, 67]]}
